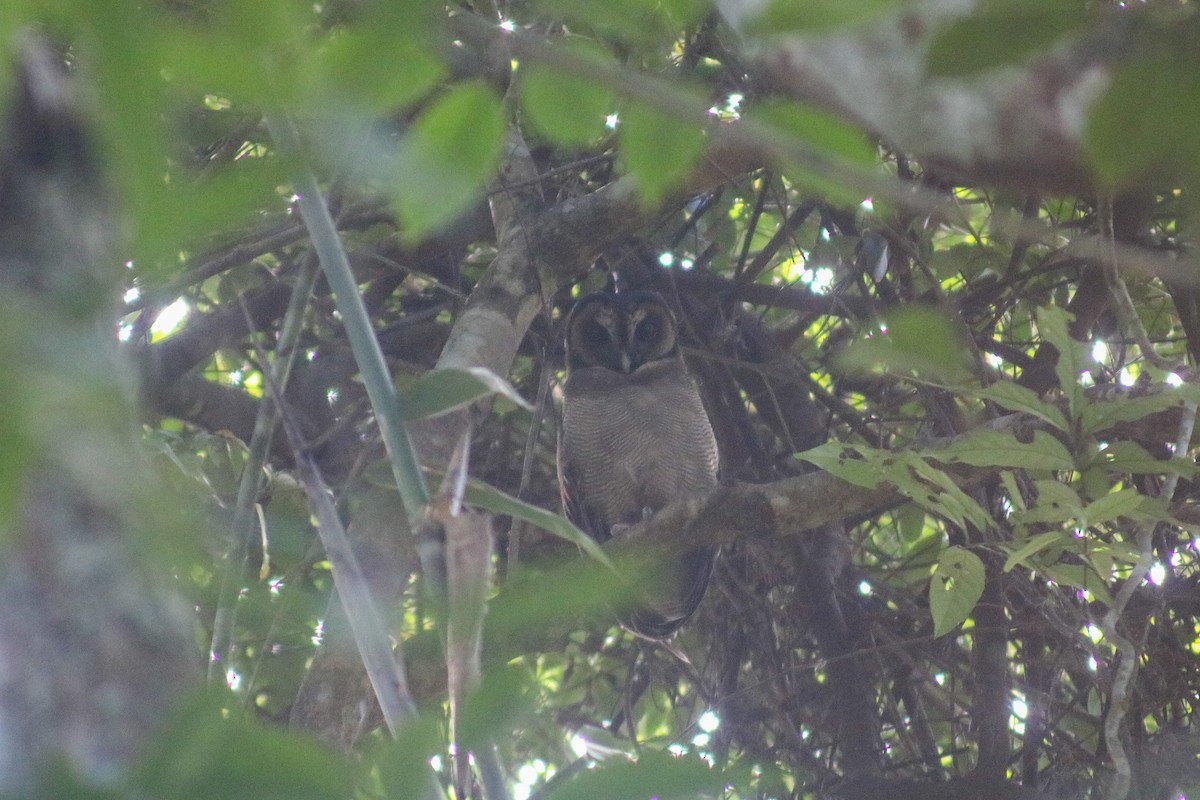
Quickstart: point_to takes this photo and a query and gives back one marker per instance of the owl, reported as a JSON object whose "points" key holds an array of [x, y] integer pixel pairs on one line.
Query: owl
{"points": [[633, 438]]}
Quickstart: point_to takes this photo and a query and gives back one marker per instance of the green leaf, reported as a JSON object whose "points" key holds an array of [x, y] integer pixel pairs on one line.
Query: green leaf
{"points": [[403, 763], [203, 754], [1015, 496], [926, 485], [910, 521], [1102, 414], [441, 391], [1146, 123], [823, 132], [380, 62], [657, 149], [1080, 576], [505, 697], [568, 109], [1001, 32], [1133, 458], [991, 448], [489, 498], [924, 341], [1111, 506], [638, 23], [846, 462], [1015, 397], [938, 493], [654, 774], [815, 15], [1020, 552], [1056, 502], [447, 157], [956, 587], [1052, 325]]}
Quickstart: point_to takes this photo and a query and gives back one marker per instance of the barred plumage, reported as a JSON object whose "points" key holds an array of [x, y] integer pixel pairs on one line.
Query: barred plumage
{"points": [[633, 438]]}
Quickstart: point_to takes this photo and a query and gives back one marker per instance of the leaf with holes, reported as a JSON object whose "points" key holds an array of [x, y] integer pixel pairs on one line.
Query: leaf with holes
{"points": [[956, 587], [855, 465], [989, 448], [1015, 397]]}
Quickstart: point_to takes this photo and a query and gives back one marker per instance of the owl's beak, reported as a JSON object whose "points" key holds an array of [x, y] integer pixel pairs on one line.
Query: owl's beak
{"points": [[625, 363]]}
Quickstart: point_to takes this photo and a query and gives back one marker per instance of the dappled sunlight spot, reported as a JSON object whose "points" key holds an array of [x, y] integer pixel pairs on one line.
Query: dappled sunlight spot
{"points": [[1126, 377], [666, 259], [1173, 380], [792, 269], [170, 319], [1093, 633], [819, 280], [1020, 711], [1100, 352], [729, 109], [318, 633], [612, 121], [709, 721], [1157, 574], [864, 588]]}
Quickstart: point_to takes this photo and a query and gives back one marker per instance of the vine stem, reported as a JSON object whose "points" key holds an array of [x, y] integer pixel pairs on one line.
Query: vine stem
{"points": [[1125, 648]]}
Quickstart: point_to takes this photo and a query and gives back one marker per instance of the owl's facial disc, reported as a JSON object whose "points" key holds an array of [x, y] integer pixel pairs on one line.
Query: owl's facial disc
{"points": [[650, 336], [594, 337]]}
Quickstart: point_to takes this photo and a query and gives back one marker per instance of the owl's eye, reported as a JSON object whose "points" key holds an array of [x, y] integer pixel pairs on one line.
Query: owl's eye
{"points": [[594, 334], [647, 330]]}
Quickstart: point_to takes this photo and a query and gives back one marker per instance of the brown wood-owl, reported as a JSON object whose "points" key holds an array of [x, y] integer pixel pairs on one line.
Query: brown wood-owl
{"points": [[634, 438]]}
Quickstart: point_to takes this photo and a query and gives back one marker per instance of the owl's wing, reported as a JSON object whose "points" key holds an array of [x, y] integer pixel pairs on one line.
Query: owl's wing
{"points": [[584, 517]]}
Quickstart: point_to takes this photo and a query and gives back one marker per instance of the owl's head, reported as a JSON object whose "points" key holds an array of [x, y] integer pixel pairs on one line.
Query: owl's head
{"points": [[620, 332]]}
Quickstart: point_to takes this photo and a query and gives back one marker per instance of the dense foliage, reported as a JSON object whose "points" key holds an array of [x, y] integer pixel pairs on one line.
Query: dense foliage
{"points": [[934, 269]]}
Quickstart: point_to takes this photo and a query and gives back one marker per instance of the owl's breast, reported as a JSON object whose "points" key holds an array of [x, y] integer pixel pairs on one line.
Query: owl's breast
{"points": [[634, 444]]}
